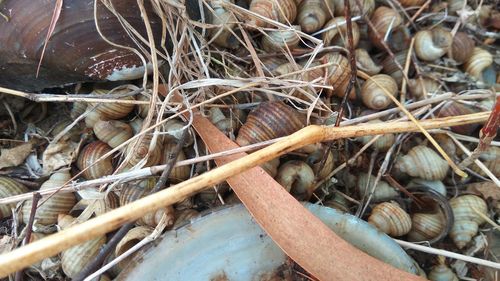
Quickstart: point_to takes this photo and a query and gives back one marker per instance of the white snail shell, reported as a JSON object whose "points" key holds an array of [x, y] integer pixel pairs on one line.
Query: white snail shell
{"points": [[424, 163], [467, 220]]}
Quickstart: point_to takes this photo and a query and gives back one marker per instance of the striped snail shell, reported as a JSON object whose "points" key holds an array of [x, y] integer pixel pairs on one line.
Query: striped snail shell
{"points": [[269, 120], [339, 203], [112, 132], [338, 35], [425, 226], [75, 259], [135, 190], [461, 47], [374, 91], [145, 151], [478, 62], [424, 163], [382, 19], [389, 218], [9, 187], [271, 63], [312, 14], [113, 110], [58, 203], [454, 108], [432, 44], [153, 219], [491, 159], [338, 74], [411, 3], [442, 272], [226, 22], [365, 63], [178, 174], [419, 88], [383, 191], [92, 117], [281, 39], [383, 143], [282, 11], [297, 178], [89, 155], [367, 7], [467, 220]]}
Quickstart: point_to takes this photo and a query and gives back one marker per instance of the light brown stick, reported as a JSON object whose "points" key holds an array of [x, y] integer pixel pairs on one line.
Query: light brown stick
{"points": [[52, 245]]}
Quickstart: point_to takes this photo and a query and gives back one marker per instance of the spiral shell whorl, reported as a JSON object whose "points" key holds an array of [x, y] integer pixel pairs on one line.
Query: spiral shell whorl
{"points": [[338, 35], [297, 178], [424, 163], [112, 132], [390, 219], [432, 44], [372, 91], [426, 226], [89, 155], [113, 110], [441, 272], [467, 220], [338, 73], [9, 187], [278, 40], [461, 47], [383, 191], [478, 62], [312, 14], [282, 11], [382, 19]]}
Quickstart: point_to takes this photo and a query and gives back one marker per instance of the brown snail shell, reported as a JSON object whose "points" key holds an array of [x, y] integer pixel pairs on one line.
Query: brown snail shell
{"points": [[297, 178], [269, 120], [432, 44], [153, 219], [338, 203], [383, 143], [372, 91], [338, 74], [383, 191], [365, 63], [467, 220], [338, 35], [478, 62], [411, 3], [75, 259], [419, 88], [89, 155], [424, 163], [461, 47], [59, 203], [281, 40], [390, 68], [9, 187], [367, 7], [454, 108], [491, 159], [145, 150], [135, 190], [178, 174], [226, 21], [447, 144], [389, 218], [312, 14], [112, 132], [425, 227], [382, 19], [283, 11], [113, 110], [441, 272]]}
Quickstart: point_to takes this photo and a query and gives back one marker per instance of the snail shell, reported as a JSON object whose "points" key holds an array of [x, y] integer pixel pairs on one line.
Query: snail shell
{"points": [[467, 220], [425, 227], [153, 219], [383, 143], [338, 36], [226, 21], [454, 108], [389, 218], [365, 63], [461, 47], [184, 216], [312, 14], [271, 167], [441, 272], [143, 109], [424, 163], [410, 3], [269, 120], [92, 117], [390, 68], [278, 40], [491, 159], [478, 62], [145, 150], [9, 187], [437, 186], [113, 110], [78, 109], [316, 158], [174, 128], [297, 178], [59, 203], [271, 63], [136, 125], [367, 7], [133, 236], [178, 174], [447, 144], [372, 91], [420, 87], [338, 74], [338, 203], [382, 19], [282, 11], [75, 259], [89, 155], [432, 44], [112, 132], [383, 191]]}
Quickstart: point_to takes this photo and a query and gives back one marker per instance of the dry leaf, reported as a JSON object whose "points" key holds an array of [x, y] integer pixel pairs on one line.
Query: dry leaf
{"points": [[15, 156], [488, 190], [59, 154]]}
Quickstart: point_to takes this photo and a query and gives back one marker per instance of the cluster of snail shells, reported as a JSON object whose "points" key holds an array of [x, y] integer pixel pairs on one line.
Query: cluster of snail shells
{"points": [[391, 219], [469, 211], [9, 187], [58, 203], [423, 162]]}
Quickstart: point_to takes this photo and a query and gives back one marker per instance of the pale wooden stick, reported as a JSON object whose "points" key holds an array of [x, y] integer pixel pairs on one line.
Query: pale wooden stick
{"points": [[53, 244]]}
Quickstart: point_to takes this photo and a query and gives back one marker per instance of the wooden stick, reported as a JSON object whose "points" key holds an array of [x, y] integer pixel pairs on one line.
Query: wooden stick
{"points": [[53, 244]]}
